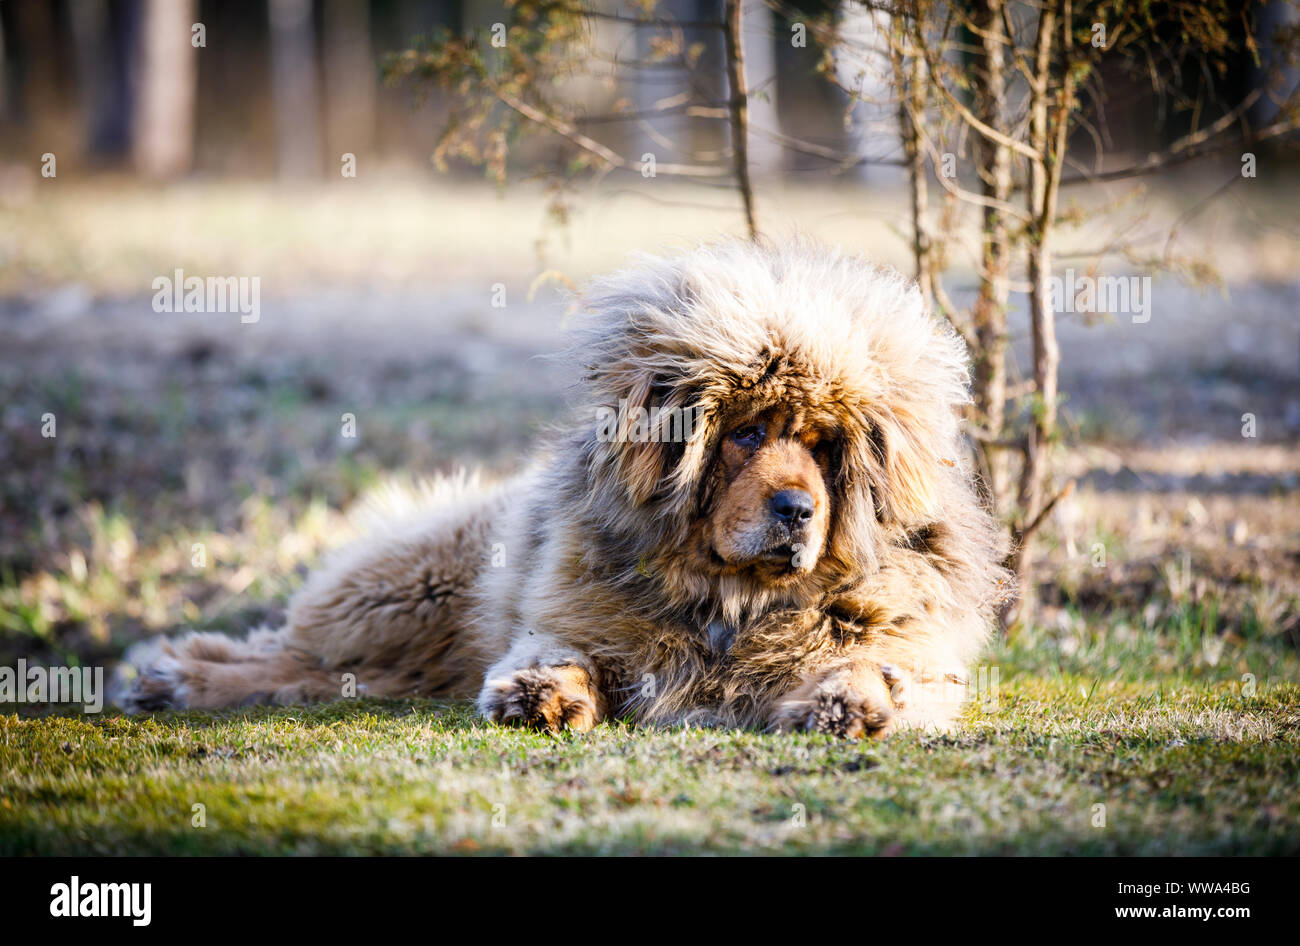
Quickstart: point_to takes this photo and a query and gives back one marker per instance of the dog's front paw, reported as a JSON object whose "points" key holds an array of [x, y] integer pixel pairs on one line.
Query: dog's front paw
{"points": [[853, 703], [550, 698], [149, 679]]}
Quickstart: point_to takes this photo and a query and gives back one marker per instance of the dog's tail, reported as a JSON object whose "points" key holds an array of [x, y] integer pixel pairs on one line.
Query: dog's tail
{"points": [[386, 617]]}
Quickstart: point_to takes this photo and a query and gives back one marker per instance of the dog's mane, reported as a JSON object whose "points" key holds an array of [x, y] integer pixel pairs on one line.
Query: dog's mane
{"points": [[736, 326]]}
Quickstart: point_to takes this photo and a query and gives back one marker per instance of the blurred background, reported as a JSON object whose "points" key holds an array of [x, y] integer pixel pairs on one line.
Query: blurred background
{"points": [[200, 466], [282, 87]]}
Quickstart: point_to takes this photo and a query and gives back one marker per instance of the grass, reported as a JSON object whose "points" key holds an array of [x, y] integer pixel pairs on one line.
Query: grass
{"points": [[1178, 711], [199, 471], [1181, 765]]}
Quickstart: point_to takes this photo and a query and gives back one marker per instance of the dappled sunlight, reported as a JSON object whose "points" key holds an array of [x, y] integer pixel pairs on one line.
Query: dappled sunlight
{"points": [[181, 578]]}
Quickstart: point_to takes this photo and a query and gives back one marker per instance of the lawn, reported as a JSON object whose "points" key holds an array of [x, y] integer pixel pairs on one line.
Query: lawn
{"points": [[1183, 764], [199, 471]]}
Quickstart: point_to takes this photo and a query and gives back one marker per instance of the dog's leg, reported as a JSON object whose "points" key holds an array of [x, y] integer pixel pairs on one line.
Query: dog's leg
{"points": [[875, 692], [542, 684], [205, 670], [390, 610]]}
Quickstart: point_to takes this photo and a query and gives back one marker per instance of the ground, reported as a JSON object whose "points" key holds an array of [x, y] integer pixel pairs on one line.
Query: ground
{"points": [[1185, 768], [201, 467]]}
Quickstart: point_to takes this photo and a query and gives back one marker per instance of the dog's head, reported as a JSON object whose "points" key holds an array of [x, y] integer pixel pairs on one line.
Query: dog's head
{"points": [[759, 417], [772, 486]]}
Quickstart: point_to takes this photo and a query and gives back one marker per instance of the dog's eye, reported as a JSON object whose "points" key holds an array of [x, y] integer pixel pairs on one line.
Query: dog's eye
{"points": [[750, 436], [827, 453]]}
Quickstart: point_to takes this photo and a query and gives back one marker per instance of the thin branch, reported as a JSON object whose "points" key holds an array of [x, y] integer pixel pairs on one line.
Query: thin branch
{"points": [[961, 193], [739, 109], [1196, 208], [1164, 159], [1209, 131], [591, 146], [690, 110], [664, 22], [966, 115], [1046, 511], [845, 159], [949, 311]]}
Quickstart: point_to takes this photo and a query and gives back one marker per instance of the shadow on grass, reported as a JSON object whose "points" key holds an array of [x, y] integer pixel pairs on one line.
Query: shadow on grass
{"points": [[459, 713]]}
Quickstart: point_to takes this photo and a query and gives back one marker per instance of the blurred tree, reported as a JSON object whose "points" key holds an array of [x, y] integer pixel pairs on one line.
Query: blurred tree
{"points": [[100, 33], [163, 136], [294, 90], [40, 99], [514, 79], [351, 78], [992, 160]]}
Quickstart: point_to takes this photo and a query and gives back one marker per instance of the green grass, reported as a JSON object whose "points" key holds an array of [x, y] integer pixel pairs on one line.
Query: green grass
{"points": [[1184, 764], [1164, 686]]}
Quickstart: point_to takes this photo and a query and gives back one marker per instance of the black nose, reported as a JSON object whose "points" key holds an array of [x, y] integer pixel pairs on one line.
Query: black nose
{"points": [[793, 506]]}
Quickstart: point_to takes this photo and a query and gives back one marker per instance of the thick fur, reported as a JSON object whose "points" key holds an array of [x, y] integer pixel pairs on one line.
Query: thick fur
{"points": [[642, 576]]}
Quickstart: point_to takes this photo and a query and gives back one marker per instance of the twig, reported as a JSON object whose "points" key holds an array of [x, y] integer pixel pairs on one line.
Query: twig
{"points": [[739, 110], [590, 145], [1043, 513]]}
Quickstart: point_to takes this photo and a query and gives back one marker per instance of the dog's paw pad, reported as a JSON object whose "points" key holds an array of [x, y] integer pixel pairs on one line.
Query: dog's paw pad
{"points": [[157, 685], [850, 706], [549, 698], [849, 716]]}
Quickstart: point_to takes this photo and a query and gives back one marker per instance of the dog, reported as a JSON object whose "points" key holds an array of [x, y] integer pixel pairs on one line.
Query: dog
{"points": [[759, 514]]}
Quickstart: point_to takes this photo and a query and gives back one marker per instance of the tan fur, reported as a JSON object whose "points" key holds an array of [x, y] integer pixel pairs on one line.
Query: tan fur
{"points": [[675, 581]]}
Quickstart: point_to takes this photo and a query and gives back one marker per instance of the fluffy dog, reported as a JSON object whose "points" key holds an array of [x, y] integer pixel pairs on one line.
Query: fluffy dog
{"points": [[758, 515]]}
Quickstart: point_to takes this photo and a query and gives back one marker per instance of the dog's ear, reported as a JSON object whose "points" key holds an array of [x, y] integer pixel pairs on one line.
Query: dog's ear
{"points": [[645, 435], [641, 452], [633, 336], [907, 484]]}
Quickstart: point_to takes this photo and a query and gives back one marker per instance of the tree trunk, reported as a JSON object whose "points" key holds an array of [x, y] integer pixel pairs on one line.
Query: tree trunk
{"points": [[989, 314], [908, 79], [738, 105], [1049, 128], [40, 92], [163, 140], [351, 79], [293, 87], [759, 44]]}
